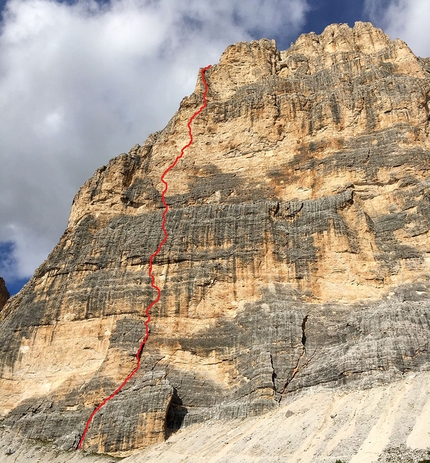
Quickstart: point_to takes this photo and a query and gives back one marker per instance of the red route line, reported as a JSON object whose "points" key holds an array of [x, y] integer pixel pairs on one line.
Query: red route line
{"points": [[151, 259]]}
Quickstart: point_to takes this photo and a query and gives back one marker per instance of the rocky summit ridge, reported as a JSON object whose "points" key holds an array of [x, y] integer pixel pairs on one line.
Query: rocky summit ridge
{"points": [[298, 253]]}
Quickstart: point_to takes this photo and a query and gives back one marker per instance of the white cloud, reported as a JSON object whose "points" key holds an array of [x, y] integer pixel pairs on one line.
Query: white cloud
{"points": [[405, 19], [82, 83]]}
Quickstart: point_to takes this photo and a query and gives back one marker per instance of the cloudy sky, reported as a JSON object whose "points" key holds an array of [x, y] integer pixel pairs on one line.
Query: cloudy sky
{"points": [[83, 81]]}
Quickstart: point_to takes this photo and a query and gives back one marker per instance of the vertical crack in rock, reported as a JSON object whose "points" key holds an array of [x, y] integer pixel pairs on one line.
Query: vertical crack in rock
{"points": [[299, 364], [275, 392], [304, 332]]}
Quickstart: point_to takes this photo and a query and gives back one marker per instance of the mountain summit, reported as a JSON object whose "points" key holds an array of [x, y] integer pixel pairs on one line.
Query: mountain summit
{"points": [[298, 255]]}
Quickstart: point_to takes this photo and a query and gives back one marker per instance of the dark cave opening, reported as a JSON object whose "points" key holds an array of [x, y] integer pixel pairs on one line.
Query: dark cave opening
{"points": [[175, 414]]}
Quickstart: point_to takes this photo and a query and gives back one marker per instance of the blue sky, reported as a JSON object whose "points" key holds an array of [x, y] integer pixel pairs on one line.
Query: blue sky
{"points": [[81, 82]]}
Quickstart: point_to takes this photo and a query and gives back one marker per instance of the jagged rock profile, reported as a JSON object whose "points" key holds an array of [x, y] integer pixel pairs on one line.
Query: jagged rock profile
{"points": [[298, 251], [4, 293]]}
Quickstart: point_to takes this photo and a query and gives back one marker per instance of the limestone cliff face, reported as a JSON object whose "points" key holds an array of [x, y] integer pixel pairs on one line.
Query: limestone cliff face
{"points": [[298, 251], [4, 293]]}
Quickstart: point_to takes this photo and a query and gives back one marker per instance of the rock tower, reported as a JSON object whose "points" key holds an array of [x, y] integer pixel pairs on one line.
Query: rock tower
{"points": [[298, 251]]}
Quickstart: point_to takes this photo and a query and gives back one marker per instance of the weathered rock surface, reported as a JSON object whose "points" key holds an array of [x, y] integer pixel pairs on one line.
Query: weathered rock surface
{"points": [[4, 293], [321, 424], [299, 251]]}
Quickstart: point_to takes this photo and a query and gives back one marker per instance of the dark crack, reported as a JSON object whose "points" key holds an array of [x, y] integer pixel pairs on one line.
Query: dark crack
{"points": [[275, 391], [304, 331], [302, 361]]}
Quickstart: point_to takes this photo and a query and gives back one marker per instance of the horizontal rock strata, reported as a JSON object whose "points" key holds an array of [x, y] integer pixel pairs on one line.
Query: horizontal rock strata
{"points": [[298, 251]]}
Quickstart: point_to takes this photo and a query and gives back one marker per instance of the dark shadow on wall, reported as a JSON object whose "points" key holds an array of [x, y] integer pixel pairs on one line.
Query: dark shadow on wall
{"points": [[175, 414]]}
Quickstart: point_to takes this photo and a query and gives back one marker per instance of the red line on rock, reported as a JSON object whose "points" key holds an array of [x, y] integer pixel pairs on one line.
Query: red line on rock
{"points": [[151, 260]]}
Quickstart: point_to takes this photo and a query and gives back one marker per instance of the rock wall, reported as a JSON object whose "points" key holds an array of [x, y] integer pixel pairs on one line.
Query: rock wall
{"points": [[298, 251], [320, 424], [4, 293]]}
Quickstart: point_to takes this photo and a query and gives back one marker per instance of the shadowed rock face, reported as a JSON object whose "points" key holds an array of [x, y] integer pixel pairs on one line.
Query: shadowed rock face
{"points": [[298, 251], [4, 293]]}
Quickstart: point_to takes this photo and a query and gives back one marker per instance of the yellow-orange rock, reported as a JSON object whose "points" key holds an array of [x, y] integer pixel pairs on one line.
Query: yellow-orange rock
{"points": [[298, 251]]}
